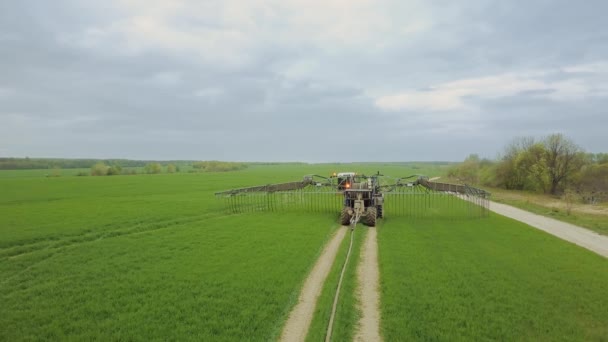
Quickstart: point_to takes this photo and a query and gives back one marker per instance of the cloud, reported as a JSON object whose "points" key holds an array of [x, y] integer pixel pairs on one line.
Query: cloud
{"points": [[457, 95], [234, 33], [283, 80]]}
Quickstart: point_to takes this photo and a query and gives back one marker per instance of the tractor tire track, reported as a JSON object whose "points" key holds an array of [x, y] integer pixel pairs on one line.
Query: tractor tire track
{"points": [[300, 317], [368, 277]]}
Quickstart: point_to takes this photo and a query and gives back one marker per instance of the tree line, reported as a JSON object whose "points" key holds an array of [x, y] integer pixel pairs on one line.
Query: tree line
{"points": [[103, 169], [218, 166], [53, 163], [552, 165], [110, 167]]}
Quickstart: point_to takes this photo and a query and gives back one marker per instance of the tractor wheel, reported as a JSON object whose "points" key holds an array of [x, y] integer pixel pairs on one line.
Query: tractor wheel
{"points": [[380, 211], [345, 217], [370, 218]]}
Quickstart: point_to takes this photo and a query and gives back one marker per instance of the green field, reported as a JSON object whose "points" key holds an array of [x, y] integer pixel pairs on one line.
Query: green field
{"points": [[157, 257], [488, 279]]}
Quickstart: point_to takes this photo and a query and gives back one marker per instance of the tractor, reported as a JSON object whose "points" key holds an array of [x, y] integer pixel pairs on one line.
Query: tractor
{"points": [[362, 198]]}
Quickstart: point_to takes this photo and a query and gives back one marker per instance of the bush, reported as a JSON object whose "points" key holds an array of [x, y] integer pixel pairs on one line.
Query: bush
{"points": [[153, 168], [114, 170], [218, 166], [99, 169]]}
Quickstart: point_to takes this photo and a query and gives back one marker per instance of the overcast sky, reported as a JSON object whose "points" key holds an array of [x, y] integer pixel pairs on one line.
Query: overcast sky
{"points": [[304, 80]]}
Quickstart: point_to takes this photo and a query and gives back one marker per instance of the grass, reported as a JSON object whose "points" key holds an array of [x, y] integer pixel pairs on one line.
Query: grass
{"points": [[488, 279], [206, 279], [147, 257], [347, 312], [154, 257]]}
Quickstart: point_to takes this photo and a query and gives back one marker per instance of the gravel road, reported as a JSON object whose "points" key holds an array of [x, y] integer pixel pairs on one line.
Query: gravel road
{"points": [[566, 231]]}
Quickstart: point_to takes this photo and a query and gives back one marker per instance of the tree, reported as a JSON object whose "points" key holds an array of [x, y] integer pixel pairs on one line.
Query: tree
{"points": [[99, 169], [153, 168], [593, 182], [218, 166], [114, 170], [532, 167], [563, 159], [508, 171], [468, 170], [601, 158], [171, 168]]}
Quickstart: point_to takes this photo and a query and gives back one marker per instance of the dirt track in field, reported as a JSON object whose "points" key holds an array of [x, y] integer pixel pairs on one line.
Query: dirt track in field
{"points": [[368, 293], [566, 231], [299, 320]]}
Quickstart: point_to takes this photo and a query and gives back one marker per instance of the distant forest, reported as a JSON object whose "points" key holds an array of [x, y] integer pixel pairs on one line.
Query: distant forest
{"points": [[52, 163]]}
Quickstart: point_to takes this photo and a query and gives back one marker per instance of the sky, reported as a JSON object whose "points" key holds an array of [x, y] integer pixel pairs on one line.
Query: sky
{"points": [[301, 80]]}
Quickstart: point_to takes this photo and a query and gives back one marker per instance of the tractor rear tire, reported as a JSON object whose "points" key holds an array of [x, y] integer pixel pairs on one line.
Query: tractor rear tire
{"points": [[370, 218], [380, 211], [345, 217]]}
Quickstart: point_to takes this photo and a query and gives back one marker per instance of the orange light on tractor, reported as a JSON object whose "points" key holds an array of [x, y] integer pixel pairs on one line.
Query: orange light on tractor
{"points": [[347, 185]]}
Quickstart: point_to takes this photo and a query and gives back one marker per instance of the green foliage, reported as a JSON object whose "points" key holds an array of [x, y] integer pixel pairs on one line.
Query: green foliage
{"points": [[546, 166], [563, 159], [470, 171], [600, 158], [218, 166], [47, 163], [489, 279], [114, 170], [99, 169], [171, 168], [153, 168], [593, 182]]}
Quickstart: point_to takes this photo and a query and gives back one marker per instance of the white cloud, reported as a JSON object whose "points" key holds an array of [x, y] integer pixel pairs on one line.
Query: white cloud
{"points": [[454, 95], [234, 32], [451, 95]]}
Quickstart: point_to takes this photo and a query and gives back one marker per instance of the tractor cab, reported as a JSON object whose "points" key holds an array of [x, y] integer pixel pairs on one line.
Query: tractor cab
{"points": [[345, 180]]}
